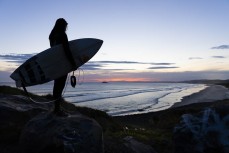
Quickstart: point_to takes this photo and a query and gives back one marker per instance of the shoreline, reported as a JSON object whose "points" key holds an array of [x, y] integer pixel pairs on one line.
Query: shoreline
{"points": [[210, 94], [166, 102], [168, 118]]}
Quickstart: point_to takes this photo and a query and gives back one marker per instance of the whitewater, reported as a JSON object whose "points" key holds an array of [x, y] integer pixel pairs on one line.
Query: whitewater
{"points": [[123, 98]]}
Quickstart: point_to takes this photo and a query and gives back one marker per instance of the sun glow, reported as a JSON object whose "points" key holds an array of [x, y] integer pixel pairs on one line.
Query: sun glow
{"points": [[126, 79]]}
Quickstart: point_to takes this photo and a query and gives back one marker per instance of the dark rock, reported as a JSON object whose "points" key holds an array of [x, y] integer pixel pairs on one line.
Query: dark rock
{"points": [[28, 127], [50, 133], [13, 116], [205, 132]]}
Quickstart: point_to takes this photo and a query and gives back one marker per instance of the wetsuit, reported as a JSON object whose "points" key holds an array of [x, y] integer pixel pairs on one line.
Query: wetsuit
{"points": [[59, 84]]}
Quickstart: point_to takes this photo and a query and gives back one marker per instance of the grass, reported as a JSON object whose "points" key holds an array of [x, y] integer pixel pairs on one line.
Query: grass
{"points": [[11, 91]]}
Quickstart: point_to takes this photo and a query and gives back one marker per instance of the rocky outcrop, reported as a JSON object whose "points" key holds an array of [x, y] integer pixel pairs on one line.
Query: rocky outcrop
{"points": [[50, 133], [15, 112], [205, 132], [27, 127]]}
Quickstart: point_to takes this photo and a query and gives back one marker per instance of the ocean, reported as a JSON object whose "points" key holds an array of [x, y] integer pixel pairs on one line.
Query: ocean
{"points": [[122, 98]]}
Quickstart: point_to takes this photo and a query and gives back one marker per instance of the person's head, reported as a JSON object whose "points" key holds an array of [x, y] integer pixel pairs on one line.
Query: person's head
{"points": [[60, 25]]}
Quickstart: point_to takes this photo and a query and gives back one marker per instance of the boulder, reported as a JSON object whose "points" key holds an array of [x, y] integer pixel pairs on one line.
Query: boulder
{"points": [[15, 111], [28, 127], [205, 132], [50, 133]]}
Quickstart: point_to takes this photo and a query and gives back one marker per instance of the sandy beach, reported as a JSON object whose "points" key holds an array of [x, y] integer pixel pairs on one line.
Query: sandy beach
{"points": [[209, 94]]}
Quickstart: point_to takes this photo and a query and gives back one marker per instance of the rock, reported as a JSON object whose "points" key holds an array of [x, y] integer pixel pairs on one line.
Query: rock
{"points": [[138, 147], [28, 127], [14, 113], [205, 132], [50, 133]]}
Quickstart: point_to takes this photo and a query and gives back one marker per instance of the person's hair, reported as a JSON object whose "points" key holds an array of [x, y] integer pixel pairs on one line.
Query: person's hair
{"points": [[60, 26]]}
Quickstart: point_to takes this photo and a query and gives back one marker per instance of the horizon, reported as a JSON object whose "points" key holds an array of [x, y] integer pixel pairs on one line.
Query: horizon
{"points": [[185, 81], [150, 41]]}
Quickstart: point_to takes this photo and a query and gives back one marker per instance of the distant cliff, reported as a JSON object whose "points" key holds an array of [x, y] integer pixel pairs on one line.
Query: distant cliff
{"points": [[220, 82]]}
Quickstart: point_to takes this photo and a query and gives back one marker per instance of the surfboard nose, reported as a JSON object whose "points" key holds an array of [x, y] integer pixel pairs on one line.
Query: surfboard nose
{"points": [[99, 41]]}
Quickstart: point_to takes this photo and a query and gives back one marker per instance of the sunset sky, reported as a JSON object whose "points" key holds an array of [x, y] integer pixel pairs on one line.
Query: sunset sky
{"points": [[144, 40]]}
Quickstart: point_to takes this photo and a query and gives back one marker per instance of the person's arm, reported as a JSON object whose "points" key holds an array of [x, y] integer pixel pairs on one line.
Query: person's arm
{"points": [[68, 51]]}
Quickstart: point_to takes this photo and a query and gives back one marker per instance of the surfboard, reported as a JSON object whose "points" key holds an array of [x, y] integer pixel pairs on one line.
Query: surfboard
{"points": [[53, 63]]}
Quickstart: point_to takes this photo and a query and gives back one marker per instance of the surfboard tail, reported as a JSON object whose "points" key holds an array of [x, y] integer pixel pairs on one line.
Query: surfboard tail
{"points": [[16, 78]]}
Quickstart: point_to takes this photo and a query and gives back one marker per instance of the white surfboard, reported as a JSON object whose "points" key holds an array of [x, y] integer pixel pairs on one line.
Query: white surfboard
{"points": [[53, 63]]}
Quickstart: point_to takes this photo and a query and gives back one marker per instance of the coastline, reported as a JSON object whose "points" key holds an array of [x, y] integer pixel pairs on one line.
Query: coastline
{"points": [[140, 105], [210, 94], [152, 130]]}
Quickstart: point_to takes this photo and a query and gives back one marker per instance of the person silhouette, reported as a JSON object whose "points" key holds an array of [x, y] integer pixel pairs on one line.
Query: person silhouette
{"points": [[58, 36]]}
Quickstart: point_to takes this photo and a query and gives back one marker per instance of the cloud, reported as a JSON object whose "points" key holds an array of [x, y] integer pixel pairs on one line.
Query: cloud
{"points": [[92, 65], [218, 57], [102, 65], [18, 58], [221, 47], [117, 62], [98, 66], [162, 63], [89, 66], [129, 62], [193, 58], [163, 67]]}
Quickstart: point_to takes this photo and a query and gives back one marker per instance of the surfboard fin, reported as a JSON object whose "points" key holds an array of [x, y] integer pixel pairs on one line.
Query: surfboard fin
{"points": [[73, 81]]}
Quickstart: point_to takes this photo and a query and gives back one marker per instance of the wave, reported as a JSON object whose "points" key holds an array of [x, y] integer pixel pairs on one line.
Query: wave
{"points": [[125, 98], [142, 101], [107, 95], [101, 95]]}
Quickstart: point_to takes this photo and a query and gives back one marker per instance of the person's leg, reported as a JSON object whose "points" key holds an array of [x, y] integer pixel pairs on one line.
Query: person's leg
{"points": [[58, 88]]}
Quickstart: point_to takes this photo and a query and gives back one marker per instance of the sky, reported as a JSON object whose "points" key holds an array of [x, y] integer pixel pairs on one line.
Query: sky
{"points": [[144, 40]]}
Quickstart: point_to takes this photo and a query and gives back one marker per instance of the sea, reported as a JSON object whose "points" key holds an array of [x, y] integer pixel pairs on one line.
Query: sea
{"points": [[122, 98]]}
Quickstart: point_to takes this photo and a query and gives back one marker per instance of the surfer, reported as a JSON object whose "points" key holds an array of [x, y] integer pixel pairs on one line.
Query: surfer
{"points": [[58, 36]]}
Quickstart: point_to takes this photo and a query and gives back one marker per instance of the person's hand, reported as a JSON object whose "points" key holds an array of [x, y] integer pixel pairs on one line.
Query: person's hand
{"points": [[74, 66]]}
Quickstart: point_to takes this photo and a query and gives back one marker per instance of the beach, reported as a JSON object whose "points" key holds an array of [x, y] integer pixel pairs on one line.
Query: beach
{"points": [[210, 94], [159, 126], [153, 101], [213, 96]]}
